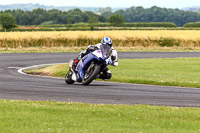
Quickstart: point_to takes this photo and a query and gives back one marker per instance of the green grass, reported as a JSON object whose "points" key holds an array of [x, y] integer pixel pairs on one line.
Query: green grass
{"points": [[60, 117], [171, 72], [29, 116]]}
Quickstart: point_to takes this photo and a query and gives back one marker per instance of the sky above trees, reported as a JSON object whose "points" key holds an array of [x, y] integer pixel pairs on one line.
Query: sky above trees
{"points": [[109, 3]]}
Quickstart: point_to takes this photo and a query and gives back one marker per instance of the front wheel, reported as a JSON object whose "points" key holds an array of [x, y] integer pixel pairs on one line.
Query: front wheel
{"points": [[91, 74], [68, 78]]}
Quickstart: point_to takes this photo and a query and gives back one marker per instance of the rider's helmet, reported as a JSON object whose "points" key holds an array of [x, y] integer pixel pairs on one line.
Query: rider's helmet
{"points": [[106, 41]]}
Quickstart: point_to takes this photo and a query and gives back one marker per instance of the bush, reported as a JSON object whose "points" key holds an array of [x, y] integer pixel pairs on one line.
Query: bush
{"points": [[154, 24], [196, 24], [168, 42], [158, 24], [47, 23]]}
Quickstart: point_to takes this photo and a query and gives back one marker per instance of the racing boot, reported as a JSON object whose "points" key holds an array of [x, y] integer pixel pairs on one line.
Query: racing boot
{"points": [[74, 77]]}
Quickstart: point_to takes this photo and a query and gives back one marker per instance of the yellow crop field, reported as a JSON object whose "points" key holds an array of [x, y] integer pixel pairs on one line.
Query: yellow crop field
{"points": [[177, 34], [142, 38]]}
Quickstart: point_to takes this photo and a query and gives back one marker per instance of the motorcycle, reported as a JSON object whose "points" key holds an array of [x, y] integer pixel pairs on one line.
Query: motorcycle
{"points": [[90, 66]]}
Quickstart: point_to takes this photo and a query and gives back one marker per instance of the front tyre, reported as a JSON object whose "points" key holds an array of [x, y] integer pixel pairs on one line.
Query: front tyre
{"points": [[68, 78], [91, 74]]}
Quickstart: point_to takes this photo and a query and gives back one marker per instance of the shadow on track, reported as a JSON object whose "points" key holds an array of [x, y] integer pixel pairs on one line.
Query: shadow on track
{"points": [[92, 84]]}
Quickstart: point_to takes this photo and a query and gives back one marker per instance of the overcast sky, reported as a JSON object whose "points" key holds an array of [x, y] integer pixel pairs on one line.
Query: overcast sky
{"points": [[109, 3]]}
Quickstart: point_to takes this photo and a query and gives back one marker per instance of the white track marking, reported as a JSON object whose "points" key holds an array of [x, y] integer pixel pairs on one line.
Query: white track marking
{"points": [[13, 67], [21, 70]]}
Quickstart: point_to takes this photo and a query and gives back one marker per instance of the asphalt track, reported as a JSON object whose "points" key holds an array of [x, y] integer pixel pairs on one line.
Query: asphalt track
{"points": [[14, 85]]}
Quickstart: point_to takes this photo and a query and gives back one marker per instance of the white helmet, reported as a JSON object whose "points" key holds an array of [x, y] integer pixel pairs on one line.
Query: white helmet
{"points": [[107, 41]]}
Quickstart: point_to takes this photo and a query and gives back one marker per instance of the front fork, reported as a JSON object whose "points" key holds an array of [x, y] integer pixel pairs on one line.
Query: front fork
{"points": [[70, 66]]}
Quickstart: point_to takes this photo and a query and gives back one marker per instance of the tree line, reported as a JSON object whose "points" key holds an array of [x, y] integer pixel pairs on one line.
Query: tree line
{"points": [[41, 16], [133, 14], [157, 14]]}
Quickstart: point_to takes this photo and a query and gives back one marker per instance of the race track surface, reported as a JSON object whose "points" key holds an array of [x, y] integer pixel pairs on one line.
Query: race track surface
{"points": [[14, 85]]}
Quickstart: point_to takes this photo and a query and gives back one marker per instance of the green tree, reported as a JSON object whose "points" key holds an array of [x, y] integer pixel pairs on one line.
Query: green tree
{"points": [[198, 11], [74, 16], [116, 19], [7, 21], [38, 16], [107, 9], [106, 14], [93, 20]]}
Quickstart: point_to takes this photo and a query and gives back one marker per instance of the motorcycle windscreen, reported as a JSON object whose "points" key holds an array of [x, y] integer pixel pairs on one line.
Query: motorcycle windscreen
{"points": [[106, 50]]}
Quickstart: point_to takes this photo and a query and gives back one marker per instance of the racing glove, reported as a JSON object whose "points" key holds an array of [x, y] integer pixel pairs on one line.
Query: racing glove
{"points": [[109, 61], [92, 47]]}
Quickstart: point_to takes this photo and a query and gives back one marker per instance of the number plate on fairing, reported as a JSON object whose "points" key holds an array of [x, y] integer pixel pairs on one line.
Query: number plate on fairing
{"points": [[97, 53]]}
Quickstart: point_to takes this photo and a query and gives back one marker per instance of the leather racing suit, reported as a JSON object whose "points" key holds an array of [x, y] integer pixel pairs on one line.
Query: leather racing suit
{"points": [[106, 73]]}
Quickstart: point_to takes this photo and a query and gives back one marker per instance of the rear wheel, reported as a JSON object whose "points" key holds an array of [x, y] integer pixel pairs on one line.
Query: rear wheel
{"points": [[90, 74], [68, 78]]}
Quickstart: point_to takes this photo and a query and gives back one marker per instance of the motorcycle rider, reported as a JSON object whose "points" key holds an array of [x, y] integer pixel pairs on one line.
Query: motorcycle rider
{"points": [[106, 73]]}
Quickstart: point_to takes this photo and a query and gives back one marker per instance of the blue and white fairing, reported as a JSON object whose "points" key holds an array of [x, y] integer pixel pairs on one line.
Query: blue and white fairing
{"points": [[95, 56]]}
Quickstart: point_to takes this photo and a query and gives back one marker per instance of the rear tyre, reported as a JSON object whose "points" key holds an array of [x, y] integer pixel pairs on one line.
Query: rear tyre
{"points": [[91, 74], [68, 78]]}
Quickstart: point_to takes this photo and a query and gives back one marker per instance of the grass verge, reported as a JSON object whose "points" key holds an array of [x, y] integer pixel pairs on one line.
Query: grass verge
{"points": [[41, 50], [59, 117], [183, 72], [78, 49]]}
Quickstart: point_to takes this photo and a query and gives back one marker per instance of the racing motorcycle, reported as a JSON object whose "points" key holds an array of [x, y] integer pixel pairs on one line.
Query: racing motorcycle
{"points": [[90, 66]]}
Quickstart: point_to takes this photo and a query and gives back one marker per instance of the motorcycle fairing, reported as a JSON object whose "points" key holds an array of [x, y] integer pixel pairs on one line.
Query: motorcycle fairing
{"points": [[97, 55], [83, 63]]}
